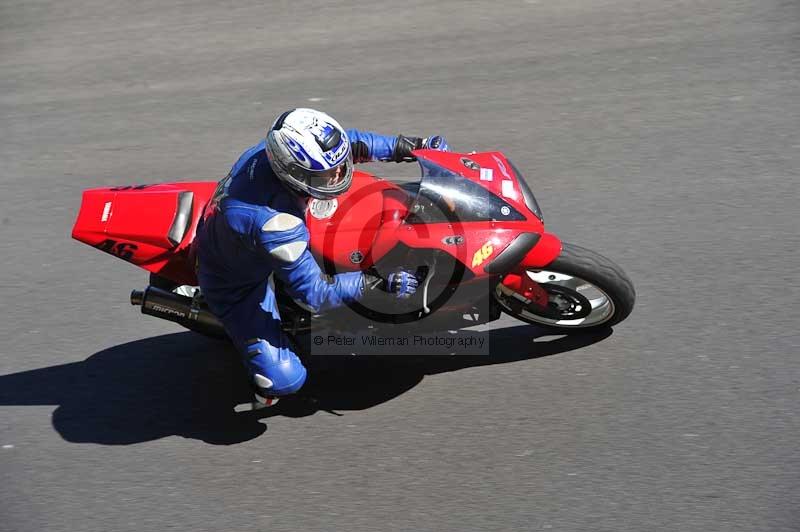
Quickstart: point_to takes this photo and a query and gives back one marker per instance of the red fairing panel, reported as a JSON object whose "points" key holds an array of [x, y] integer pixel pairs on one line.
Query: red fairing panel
{"points": [[543, 253], [344, 230], [151, 226], [474, 244]]}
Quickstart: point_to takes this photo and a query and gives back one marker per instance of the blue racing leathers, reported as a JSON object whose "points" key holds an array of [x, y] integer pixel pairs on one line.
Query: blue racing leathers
{"points": [[252, 228]]}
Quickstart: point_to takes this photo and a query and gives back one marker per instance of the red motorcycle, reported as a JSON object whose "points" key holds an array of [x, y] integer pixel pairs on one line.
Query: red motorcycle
{"points": [[471, 226]]}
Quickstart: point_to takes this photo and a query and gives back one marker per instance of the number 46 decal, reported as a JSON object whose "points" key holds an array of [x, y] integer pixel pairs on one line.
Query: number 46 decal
{"points": [[483, 253], [123, 250]]}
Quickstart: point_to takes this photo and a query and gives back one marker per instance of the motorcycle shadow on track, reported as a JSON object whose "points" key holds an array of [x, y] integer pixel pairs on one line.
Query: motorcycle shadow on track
{"points": [[187, 385]]}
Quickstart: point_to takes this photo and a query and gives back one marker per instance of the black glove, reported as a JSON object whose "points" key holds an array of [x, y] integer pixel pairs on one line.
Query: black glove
{"points": [[405, 145]]}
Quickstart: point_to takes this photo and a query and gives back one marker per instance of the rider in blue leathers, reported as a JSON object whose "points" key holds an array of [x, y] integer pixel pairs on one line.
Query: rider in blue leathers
{"points": [[253, 227]]}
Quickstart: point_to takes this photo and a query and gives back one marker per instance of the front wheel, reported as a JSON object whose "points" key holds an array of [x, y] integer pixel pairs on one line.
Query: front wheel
{"points": [[579, 290]]}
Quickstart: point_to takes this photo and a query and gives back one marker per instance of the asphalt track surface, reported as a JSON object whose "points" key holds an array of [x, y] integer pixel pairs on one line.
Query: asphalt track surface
{"points": [[663, 134]]}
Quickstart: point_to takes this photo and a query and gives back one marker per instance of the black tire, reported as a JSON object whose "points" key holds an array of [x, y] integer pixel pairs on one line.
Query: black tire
{"points": [[596, 269]]}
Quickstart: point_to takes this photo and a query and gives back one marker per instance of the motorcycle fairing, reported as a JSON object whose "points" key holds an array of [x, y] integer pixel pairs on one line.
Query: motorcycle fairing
{"points": [[375, 215], [153, 226], [481, 243]]}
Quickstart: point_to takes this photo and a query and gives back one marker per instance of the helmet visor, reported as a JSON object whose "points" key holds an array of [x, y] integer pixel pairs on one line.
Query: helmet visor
{"points": [[325, 183]]}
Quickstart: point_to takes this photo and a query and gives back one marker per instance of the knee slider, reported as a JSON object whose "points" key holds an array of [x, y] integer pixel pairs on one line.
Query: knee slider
{"points": [[274, 371]]}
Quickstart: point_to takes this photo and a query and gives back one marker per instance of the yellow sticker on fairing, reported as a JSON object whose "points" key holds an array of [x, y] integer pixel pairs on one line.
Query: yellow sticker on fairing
{"points": [[482, 254]]}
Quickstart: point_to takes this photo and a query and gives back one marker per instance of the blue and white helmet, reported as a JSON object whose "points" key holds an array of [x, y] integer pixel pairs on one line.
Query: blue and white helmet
{"points": [[310, 152]]}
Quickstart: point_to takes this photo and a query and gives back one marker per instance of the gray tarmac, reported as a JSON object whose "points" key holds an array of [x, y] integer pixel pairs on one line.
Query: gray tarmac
{"points": [[663, 134]]}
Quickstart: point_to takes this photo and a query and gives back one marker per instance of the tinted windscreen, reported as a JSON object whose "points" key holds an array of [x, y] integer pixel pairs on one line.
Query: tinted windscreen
{"points": [[445, 196], [527, 193]]}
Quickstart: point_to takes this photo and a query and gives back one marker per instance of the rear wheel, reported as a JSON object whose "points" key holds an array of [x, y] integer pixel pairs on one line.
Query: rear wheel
{"points": [[582, 290]]}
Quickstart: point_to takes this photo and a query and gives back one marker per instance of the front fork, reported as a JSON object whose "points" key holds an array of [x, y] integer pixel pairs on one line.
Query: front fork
{"points": [[520, 286]]}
